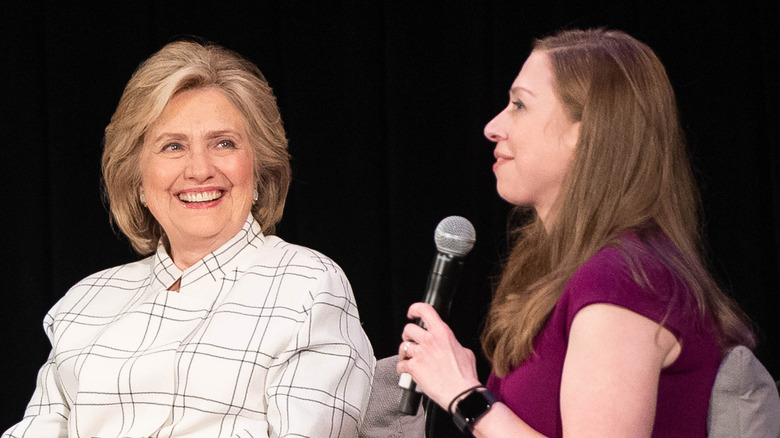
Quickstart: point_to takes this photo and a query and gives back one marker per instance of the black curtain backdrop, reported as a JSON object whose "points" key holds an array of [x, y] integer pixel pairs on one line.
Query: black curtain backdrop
{"points": [[384, 104]]}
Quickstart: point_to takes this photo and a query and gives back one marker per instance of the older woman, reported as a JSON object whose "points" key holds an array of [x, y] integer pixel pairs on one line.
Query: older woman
{"points": [[224, 330], [605, 321]]}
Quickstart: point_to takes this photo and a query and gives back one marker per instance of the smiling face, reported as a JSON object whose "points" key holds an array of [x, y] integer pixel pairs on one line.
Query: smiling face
{"points": [[534, 138], [197, 172]]}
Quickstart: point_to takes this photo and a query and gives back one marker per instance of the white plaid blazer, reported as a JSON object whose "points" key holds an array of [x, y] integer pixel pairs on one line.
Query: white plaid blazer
{"points": [[262, 340]]}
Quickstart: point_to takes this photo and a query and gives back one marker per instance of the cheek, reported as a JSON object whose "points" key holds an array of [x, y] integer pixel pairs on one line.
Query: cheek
{"points": [[247, 171], [149, 172], [242, 173], [156, 175]]}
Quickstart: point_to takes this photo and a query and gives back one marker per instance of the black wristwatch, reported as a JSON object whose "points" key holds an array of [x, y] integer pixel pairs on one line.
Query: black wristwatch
{"points": [[472, 407]]}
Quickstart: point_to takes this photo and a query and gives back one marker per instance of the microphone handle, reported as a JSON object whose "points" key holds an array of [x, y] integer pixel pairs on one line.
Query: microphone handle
{"points": [[410, 396], [442, 283], [440, 288]]}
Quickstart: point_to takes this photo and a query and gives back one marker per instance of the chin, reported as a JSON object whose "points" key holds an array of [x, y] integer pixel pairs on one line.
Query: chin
{"points": [[513, 197]]}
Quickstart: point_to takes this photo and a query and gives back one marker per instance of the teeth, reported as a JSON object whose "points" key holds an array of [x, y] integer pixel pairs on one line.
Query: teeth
{"points": [[200, 196]]}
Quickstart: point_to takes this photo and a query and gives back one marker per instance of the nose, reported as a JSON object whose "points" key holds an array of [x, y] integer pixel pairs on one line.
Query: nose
{"points": [[494, 130], [200, 166]]}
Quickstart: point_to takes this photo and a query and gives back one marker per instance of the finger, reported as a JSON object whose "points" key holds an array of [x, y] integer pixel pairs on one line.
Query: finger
{"points": [[404, 350], [402, 366], [428, 318], [426, 313], [413, 332]]}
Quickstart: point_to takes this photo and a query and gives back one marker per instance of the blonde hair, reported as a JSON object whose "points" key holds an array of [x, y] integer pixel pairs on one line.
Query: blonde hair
{"points": [[630, 172], [179, 66]]}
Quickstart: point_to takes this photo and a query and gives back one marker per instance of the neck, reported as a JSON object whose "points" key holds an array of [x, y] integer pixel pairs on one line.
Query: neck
{"points": [[187, 254]]}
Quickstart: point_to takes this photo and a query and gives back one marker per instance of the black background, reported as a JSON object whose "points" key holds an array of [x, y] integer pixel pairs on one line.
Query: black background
{"points": [[384, 104]]}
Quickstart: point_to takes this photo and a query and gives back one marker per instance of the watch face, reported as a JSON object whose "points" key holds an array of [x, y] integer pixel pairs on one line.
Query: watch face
{"points": [[471, 408], [475, 405]]}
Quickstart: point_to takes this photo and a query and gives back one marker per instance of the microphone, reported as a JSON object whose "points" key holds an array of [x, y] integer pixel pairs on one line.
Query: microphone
{"points": [[454, 237]]}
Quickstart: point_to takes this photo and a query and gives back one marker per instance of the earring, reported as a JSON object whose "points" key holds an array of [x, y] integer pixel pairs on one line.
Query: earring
{"points": [[142, 197], [255, 196]]}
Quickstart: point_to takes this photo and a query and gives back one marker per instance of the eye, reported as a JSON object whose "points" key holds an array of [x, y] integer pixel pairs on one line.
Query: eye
{"points": [[172, 147], [226, 144], [518, 104]]}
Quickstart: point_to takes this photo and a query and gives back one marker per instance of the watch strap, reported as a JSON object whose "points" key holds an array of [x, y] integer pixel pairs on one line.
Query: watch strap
{"points": [[469, 409]]}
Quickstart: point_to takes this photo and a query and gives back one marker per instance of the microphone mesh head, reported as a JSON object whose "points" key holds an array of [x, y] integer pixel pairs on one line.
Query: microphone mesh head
{"points": [[455, 236]]}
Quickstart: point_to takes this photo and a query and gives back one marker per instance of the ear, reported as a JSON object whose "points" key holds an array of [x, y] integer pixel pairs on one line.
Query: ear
{"points": [[572, 136]]}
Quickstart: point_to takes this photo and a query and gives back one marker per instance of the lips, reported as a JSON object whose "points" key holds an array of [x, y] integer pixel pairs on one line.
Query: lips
{"points": [[500, 159], [196, 197], [501, 156]]}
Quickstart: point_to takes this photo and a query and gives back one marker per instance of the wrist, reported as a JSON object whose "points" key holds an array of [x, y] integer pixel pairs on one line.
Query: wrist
{"points": [[471, 405]]}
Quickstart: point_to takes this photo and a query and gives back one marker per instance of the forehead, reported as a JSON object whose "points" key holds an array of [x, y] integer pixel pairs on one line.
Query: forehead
{"points": [[202, 103], [536, 76]]}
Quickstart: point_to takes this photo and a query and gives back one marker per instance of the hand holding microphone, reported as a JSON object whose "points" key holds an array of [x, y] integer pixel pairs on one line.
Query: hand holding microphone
{"points": [[454, 237]]}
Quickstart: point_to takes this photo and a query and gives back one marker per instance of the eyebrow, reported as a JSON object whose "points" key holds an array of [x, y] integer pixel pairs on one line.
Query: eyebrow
{"points": [[518, 89], [210, 135], [224, 132]]}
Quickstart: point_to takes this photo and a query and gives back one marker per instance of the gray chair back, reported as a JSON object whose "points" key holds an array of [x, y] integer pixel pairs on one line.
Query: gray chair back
{"points": [[382, 418], [744, 400]]}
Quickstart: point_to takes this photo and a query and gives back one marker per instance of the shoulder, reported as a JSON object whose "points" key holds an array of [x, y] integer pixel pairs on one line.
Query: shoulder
{"points": [[629, 264], [297, 255], [301, 269], [606, 266], [629, 275], [118, 276], [122, 278]]}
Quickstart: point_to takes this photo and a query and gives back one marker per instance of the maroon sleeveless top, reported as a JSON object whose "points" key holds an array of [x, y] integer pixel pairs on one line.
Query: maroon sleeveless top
{"points": [[532, 390]]}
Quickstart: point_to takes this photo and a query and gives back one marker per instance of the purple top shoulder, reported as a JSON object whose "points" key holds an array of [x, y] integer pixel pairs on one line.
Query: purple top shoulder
{"points": [[532, 390]]}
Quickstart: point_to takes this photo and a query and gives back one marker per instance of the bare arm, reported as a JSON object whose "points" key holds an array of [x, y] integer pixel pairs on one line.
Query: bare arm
{"points": [[610, 375]]}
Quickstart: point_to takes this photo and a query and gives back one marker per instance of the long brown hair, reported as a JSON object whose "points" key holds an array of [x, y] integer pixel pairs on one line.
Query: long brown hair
{"points": [[630, 171]]}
